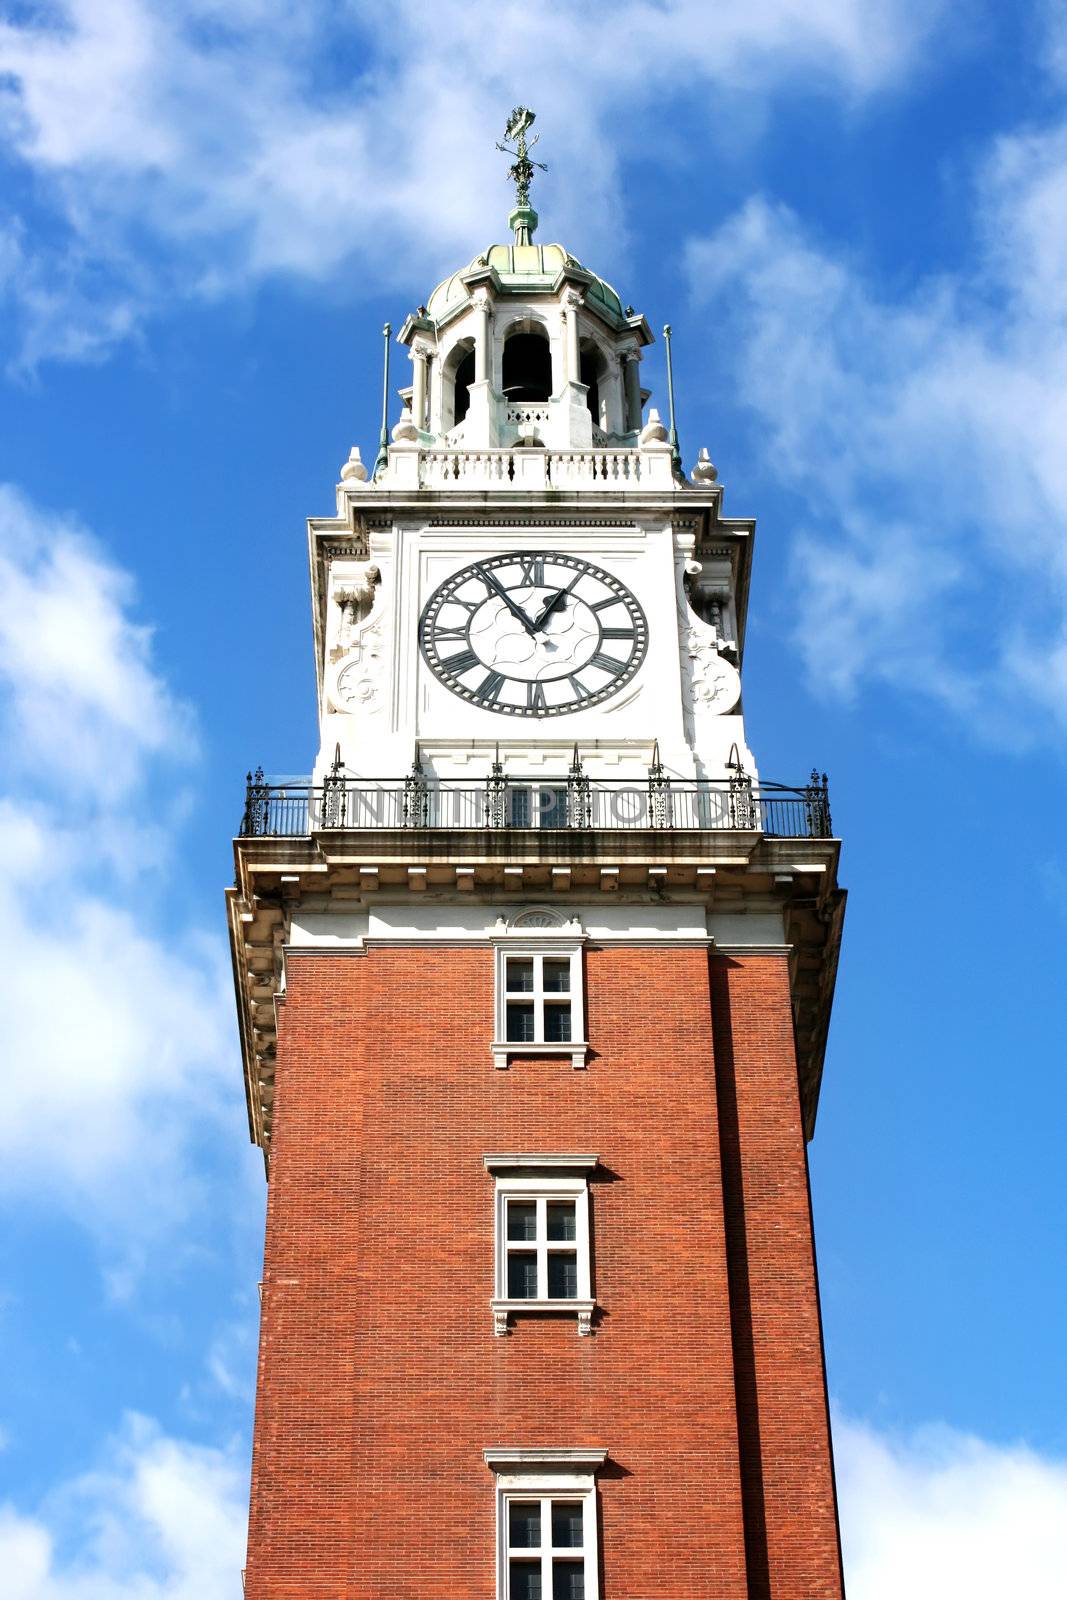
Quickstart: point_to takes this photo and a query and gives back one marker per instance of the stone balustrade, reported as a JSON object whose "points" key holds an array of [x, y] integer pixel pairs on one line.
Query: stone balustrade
{"points": [[605, 468]]}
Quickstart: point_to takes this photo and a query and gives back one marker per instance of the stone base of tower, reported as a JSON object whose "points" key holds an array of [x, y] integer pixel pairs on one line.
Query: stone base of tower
{"points": [[382, 1379]]}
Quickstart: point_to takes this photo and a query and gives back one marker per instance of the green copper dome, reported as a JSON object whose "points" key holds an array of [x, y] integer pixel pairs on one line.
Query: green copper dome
{"points": [[523, 269]]}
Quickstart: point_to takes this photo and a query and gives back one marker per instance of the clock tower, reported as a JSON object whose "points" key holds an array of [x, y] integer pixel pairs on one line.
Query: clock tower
{"points": [[534, 974]]}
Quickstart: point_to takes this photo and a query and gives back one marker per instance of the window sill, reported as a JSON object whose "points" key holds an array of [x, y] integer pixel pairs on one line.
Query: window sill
{"points": [[504, 1049], [583, 1309]]}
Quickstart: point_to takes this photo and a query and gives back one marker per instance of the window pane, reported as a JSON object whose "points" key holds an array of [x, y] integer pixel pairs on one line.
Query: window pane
{"points": [[520, 975], [557, 1022], [522, 1275], [522, 1219], [562, 1276], [552, 808], [562, 1223], [557, 976], [526, 1581], [568, 1580], [519, 807], [524, 1525], [521, 1022], [566, 1526]]}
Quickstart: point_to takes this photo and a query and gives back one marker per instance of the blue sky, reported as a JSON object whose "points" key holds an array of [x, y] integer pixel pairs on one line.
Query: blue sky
{"points": [[854, 213]]}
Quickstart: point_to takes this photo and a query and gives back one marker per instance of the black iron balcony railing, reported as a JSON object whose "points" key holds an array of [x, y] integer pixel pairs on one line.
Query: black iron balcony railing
{"points": [[298, 808]]}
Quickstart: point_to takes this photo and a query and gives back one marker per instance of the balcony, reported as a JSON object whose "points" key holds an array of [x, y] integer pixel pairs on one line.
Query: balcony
{"points": [[297, 808]]}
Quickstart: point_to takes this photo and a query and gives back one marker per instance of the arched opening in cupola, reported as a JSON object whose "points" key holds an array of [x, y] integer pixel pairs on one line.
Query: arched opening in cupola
{"points": [[591, 370], [458, 375], [527, 365]]}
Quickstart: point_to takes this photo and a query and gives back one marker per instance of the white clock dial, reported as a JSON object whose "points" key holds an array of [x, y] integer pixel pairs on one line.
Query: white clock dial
{"points": [[533, 634]]}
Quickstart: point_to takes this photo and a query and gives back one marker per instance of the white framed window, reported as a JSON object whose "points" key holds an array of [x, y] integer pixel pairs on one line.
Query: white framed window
{"points": [[546, 1523], [540, 1004], [541, 1236]]}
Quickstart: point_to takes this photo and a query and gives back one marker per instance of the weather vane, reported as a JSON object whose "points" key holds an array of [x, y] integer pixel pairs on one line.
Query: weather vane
{"points": [[524, 218]]}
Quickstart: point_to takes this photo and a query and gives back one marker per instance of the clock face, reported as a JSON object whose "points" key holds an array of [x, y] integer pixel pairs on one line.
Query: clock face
{"points": [[534, 634]]}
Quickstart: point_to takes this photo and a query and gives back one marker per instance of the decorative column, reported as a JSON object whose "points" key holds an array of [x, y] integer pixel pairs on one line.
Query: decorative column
{"points": [[481, 336], [572, 425], [571, 301], [631, 377], [421, 351], [481, 429]]}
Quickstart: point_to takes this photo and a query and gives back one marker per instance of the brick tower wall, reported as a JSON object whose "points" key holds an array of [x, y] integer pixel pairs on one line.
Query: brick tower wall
{"points": [[380, 1378]]}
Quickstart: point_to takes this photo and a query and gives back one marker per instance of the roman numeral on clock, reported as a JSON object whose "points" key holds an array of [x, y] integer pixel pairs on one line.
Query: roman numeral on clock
{"points": [[607, 663], [450, 633], [535, 697], [489, 689], [617, 633], [462, 661], [533, 569]]}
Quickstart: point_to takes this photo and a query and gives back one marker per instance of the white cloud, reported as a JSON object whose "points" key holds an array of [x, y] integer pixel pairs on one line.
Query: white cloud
{"points": [[928, 1514], [80, 691], [938, 1513], [117, 1046], [161, 1519], [118, 1038], [927, 434], [231, 144]]}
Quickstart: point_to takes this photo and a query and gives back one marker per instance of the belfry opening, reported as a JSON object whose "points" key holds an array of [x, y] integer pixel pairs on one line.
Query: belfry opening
{"points": [[463, 377], [527, 365]]}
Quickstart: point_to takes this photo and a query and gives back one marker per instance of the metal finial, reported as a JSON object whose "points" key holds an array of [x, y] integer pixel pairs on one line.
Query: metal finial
{"points": [[523, 220]]}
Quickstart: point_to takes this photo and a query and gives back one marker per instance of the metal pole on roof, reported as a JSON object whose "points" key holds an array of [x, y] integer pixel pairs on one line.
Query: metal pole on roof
{"points": [[676, 454], [383, 437]]}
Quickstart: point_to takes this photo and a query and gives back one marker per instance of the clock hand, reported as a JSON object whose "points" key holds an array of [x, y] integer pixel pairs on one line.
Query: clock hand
{"points": [[550, 605], [516, 611]]}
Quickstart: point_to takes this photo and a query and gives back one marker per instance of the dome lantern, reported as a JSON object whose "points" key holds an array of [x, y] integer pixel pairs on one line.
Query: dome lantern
{"points": [[525, 346]]}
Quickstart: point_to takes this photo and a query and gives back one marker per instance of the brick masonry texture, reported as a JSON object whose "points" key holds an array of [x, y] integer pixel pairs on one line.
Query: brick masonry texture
{"points": [[380, 1378]]}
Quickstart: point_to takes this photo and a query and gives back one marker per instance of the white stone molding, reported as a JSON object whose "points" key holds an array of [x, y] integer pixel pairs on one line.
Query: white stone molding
{"points": [[754, 949], [353, 471], [543, 1474], [581, 1310], [541, 1180], [514, 1162], [521, 1458], [571, 300], [654, 431], [406, 430], [356, 595], [630, 357], [504, 1051], [357, 663], [541, 917], [563, 941], [711, 684], [421, 351]]}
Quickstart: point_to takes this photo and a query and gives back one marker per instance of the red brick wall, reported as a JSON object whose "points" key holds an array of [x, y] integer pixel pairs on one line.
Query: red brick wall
{"points": [[381, 1380], [791, 1533]]}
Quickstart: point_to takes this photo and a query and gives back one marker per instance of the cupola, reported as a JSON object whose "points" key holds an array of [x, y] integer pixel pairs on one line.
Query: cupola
{"points": [[524, 346]]}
